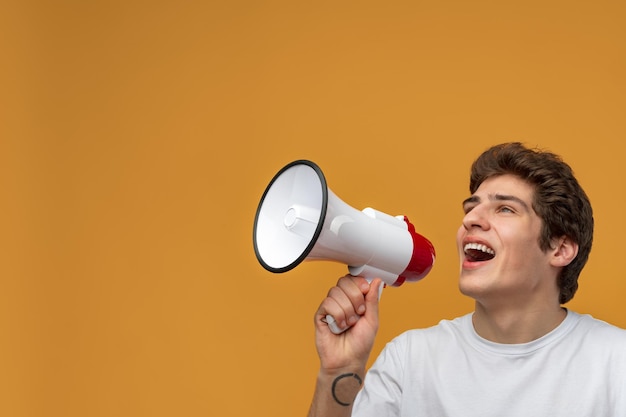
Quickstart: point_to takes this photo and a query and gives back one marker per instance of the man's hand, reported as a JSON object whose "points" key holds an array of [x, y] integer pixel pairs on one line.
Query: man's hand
{"points": [[353, 303]]}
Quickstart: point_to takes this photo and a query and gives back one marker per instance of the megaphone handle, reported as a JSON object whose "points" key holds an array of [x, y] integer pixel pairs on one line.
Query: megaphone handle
{"points": [[332, 323]]}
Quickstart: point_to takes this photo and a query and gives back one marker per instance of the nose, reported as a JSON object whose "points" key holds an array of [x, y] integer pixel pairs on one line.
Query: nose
{"points": [[476, 218]]}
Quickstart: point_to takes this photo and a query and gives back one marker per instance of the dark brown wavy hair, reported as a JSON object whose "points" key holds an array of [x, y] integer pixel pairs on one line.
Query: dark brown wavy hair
{"points": [[559, 200]]}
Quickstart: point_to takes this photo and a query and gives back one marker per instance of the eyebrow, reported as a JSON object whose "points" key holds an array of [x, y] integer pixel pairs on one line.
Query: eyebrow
{"points": [[496, 197]]}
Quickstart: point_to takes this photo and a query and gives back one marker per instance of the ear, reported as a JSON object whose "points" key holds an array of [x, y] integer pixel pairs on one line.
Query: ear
{"points": [[564, 250]]}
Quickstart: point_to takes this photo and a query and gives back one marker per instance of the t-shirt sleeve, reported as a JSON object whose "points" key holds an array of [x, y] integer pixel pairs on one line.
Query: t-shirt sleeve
{"points": [[382, 389]]}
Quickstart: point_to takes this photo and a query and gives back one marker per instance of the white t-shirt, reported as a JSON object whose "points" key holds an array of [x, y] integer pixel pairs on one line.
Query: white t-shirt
{"points": [[448, 370]]}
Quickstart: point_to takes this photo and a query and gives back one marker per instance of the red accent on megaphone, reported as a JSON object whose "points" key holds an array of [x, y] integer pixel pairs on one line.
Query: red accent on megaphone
{"points": [[422, 260]]}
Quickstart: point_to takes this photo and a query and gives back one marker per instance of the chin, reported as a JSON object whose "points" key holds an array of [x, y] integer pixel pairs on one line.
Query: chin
{"points": [[470, 286]]}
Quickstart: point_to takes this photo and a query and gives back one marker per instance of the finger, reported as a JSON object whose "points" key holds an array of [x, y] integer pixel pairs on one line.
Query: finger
{"points": [[354, 289], [362, 283], [330, 313], [349, 301], [372, 297]]}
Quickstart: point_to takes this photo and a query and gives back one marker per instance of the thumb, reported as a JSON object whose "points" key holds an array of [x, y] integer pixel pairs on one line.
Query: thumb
{"points": [[372, 297]]}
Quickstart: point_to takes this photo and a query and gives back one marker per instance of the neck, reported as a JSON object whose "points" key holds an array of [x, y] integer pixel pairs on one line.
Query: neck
{"points": [[511, 325]]}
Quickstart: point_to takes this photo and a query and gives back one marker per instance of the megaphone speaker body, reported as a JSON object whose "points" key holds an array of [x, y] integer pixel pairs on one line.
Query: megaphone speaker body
{"points": [[299, 218]]}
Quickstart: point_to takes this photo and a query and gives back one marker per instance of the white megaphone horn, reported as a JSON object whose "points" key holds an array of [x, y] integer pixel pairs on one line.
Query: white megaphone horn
{"points": [[299, 218]]}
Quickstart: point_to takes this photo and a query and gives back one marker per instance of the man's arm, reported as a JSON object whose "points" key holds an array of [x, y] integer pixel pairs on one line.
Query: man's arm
{"points": [[335, 393], [343, 358]]}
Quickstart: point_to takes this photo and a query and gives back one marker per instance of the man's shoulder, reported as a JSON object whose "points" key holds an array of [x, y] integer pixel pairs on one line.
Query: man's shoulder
{"points": [[443, 330], [604, 332]]}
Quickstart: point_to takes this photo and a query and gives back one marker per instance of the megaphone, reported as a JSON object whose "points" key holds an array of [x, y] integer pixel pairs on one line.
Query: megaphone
{"points": [[299, 218]]}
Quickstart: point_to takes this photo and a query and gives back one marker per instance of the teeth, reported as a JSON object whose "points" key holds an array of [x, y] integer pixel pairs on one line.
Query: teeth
{"points": [[480, 247]]}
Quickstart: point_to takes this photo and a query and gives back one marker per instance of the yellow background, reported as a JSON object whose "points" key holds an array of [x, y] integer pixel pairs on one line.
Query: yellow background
{"points": [[138, 136]]}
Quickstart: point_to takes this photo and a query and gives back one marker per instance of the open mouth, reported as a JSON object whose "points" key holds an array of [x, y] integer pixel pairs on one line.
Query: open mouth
{"points": [[477, 252]]}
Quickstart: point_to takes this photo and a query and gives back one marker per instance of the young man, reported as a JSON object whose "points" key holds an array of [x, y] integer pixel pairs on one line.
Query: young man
{"points": [[525, 236]]}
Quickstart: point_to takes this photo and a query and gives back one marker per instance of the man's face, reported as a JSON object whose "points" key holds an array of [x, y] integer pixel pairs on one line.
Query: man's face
{"points": [[498, 244]]}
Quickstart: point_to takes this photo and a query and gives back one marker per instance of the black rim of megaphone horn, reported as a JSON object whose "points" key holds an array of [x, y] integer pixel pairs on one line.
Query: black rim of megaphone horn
{"points": [[320, 223]]}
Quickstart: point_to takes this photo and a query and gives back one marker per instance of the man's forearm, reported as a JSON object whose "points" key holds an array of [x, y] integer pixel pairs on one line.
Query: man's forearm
{"points": [[335, 394]]}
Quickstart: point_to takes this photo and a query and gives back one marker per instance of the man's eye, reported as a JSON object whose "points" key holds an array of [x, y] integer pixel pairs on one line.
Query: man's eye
{"points": [[506, 209]]}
